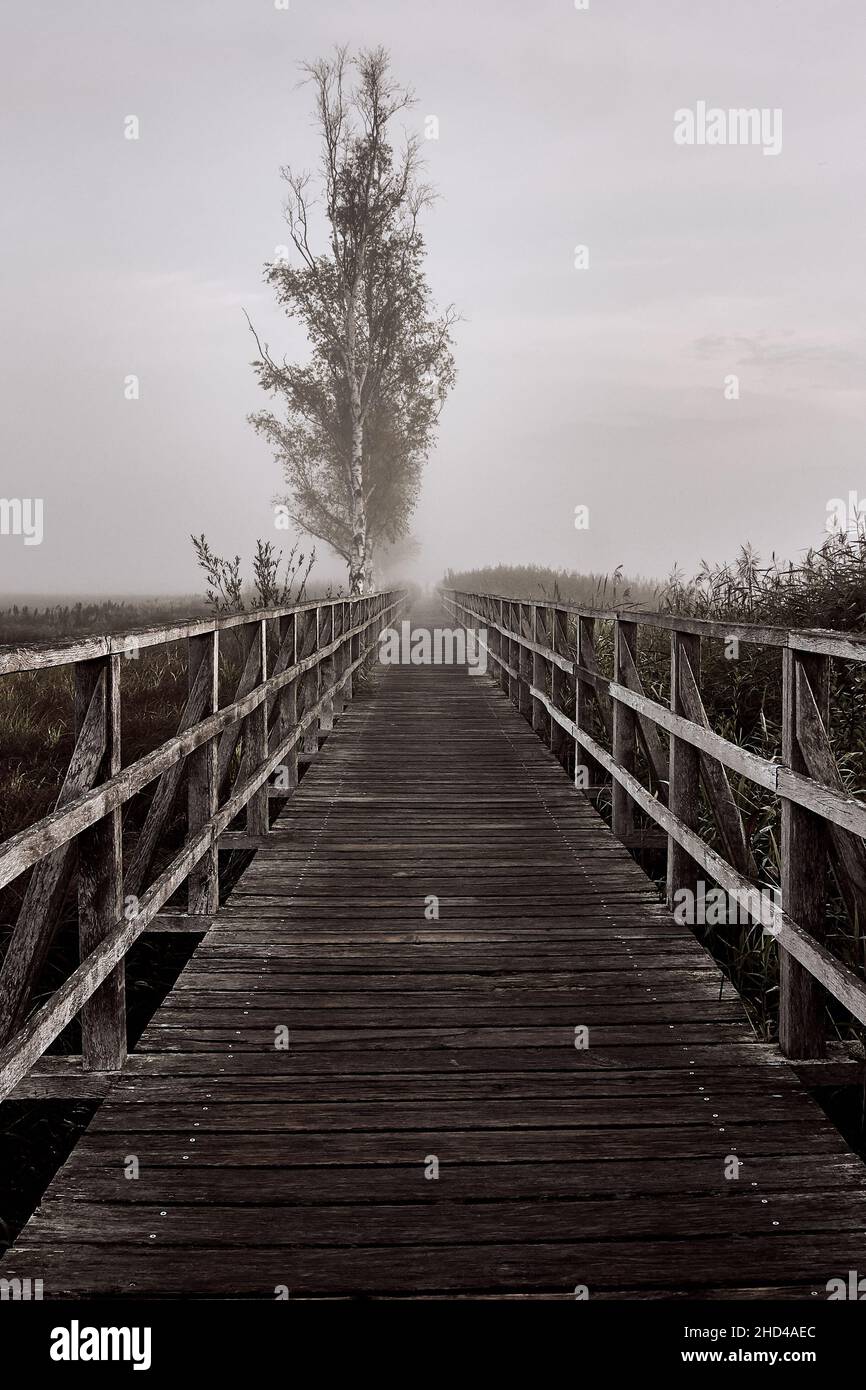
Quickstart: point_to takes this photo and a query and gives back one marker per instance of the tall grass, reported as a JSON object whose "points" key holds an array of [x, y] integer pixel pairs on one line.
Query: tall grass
{"points": [[826, 588], [542, 583], [26, 622]]}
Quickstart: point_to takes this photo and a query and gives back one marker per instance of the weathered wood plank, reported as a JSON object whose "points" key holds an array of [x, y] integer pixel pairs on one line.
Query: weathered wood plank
{"points": [[804, 861], [202, 799], [684, 775], [100, 876], [433, 917]]}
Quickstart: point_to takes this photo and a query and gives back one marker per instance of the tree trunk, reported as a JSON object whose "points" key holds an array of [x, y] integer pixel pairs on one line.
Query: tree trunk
{"points": [[358, 558]]}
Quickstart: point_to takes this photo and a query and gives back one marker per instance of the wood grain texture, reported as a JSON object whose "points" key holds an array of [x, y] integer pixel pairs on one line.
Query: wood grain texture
{"points": [[434, 915], [100, 876], [804, 862]]}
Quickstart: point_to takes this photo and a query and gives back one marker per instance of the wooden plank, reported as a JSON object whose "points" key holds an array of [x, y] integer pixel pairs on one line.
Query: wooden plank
{"points": [[255, 739], [804, 858], [558, 683], [624, 734], [580, 1113], [684, 775], [203, 884], [414, 1034], [412, 1223], [100, 876], [310, 686], [287, 704], [536, 1179], [587, 772], [540, 722], [802, 1259], [64, 1078], [252, 1150]]}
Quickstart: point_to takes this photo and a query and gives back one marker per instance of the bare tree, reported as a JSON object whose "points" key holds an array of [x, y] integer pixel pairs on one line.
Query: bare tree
{"points": [[360, 415]]}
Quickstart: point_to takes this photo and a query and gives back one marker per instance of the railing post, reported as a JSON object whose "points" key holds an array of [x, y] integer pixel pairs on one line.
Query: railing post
{"points": [[488, 608], [364, 635], [312, 682], [624, 644], [338, 660], [355, 608], [588, 774], [325, 637], [202, 799], [558, 681], [524, 661], [513, 653], [469, 623], [100, 876], [501, 611], [346, 649], [504, 651], [256, 739], [804, 865], [287, 705], [373, 629], [684, 772], [540, 717], [540, 677]]}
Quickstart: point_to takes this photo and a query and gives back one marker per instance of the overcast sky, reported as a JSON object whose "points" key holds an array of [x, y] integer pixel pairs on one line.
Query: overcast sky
{"points": [[602, 386]]}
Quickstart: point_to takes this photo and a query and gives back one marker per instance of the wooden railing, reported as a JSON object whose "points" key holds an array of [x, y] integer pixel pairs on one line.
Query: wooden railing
{"points": [[275, 717], [544, 656]]}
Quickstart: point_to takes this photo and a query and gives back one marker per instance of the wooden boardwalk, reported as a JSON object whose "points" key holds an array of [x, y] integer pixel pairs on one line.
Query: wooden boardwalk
{"points": [[419, 1046]]}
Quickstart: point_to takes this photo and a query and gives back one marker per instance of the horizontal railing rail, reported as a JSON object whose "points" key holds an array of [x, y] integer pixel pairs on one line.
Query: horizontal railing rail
{"points": [[544, 656], [228, 755], [38, 656]]}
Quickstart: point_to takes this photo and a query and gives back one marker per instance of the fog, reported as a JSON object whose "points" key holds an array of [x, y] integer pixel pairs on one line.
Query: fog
{"points": [[602, 386]]}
